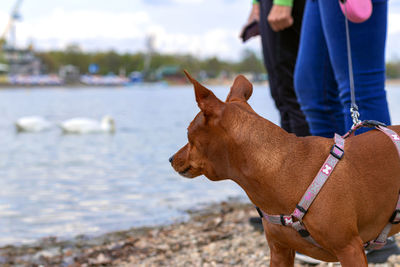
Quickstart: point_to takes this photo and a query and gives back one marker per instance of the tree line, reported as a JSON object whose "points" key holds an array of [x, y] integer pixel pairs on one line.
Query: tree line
{"points": [[393, 69], [113, 62]]}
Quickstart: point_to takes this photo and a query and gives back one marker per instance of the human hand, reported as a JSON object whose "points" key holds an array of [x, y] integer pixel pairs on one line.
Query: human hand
{"points": [[254, 13], [280, 17], [251, 28]]}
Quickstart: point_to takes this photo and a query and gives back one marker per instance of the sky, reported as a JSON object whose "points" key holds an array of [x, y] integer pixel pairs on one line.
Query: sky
{"points": [[203, 28]]}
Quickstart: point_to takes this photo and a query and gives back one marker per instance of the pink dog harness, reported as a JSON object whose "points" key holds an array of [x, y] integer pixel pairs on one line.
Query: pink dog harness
{"points": [[295, 219]]}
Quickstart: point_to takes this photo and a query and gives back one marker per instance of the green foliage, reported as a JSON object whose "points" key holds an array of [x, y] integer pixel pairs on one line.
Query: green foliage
{"points": [[393, 70], [113, 62], [250, 62], [2, 59]]}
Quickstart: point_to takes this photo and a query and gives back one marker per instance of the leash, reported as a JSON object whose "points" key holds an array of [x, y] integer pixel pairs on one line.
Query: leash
{"points": [[353, 108]]}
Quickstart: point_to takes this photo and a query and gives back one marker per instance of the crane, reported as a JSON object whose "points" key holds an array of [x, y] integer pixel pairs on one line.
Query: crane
{"points": [[10, 28]]}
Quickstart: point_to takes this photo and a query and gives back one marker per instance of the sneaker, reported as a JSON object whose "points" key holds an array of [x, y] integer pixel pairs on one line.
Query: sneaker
{"points": [[381, 255], [306, 259]]}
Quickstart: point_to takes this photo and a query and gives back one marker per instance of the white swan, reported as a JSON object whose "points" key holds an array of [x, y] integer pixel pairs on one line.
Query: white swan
{"points": [[32, 124], [86, 126]]}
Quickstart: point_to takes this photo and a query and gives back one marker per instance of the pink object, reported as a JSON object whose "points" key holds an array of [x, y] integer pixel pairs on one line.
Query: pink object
{"points": [[357, 10], [336, 154]]}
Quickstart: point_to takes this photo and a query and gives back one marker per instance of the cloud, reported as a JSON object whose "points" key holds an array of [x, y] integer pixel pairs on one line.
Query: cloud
{"points": [[215, 42], [394, 6], [392, 47], [169, 2], [179, 26], [103, 30], [189, 1], [3, 21], [86, 24], [62, 27], [393, 39], [394, 22]]}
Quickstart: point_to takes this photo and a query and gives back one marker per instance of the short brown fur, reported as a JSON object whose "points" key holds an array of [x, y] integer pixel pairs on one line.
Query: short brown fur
{"points": [[228, 140]]}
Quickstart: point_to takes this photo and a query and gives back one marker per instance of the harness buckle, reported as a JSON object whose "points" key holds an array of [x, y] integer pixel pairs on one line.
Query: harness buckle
{"points": [[304, 233], [286, 220], [337, 152], [373, 123], [392, 219]]}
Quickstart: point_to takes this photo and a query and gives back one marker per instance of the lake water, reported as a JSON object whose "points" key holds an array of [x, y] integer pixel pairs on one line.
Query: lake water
{"points": [[64, 185]]}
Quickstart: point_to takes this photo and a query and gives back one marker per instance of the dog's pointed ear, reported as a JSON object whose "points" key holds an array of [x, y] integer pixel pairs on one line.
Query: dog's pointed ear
{"points": [[241, 89], [206, 100]]}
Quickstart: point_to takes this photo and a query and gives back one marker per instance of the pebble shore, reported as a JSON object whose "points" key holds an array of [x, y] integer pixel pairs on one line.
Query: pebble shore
{"points": [[218, 235]]}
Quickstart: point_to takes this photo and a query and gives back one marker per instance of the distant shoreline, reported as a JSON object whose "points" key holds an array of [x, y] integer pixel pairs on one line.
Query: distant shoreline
{"points": [[393, 82], [226, 82], [44, 86]]}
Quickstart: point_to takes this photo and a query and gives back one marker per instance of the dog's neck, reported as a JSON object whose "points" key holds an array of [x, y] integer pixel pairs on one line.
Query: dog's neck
{"points": [[264, 166]]}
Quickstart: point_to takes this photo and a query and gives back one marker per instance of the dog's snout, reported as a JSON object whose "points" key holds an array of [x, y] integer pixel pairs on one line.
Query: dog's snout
{"points": [[171, 158]]}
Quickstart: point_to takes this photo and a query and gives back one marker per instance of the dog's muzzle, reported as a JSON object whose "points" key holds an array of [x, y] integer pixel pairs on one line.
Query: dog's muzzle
{"points": [[184, 172]]}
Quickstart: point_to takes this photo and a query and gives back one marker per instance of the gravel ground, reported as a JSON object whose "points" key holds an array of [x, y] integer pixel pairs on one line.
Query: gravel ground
{"points": [[218, 235]]}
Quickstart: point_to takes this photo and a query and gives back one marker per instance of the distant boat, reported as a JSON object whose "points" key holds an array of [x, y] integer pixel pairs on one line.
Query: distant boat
{"points": [[34, 80], [136, 77], [32, 124], [88, 126], [107, 80]]}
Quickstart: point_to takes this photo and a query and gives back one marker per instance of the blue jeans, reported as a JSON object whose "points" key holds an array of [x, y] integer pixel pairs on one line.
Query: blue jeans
{"points": [[321, 73]]}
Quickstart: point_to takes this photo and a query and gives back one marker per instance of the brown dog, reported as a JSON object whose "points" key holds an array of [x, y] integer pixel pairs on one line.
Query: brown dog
{"points": [[228, 140]]}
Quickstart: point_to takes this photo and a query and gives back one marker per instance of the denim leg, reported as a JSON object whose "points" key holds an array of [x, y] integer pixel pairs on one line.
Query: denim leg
{"points": [[315, 83], [368, 55]]}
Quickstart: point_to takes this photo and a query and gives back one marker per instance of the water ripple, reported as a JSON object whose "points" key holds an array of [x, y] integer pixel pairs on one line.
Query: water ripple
{"points": [[60, 185]]}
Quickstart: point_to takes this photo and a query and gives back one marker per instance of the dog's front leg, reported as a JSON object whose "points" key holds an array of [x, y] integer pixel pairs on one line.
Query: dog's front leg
{"points": [[352, 254], [281, 256]]}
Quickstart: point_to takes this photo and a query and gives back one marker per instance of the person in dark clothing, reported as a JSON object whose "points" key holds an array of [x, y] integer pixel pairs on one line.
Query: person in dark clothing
{"points": [[279, 24], [280, 45]]}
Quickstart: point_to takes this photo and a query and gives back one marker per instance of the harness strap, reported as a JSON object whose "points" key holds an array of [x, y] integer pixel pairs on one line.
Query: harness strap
{"points": [[327, 168], [335, 155], [393, 136], [380, 241], [301, 229], [395, 219], [284, 220], [287, 220]]}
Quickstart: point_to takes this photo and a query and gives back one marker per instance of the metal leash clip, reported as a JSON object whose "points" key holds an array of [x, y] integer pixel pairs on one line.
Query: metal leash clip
{"points": [[355, 115]]}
